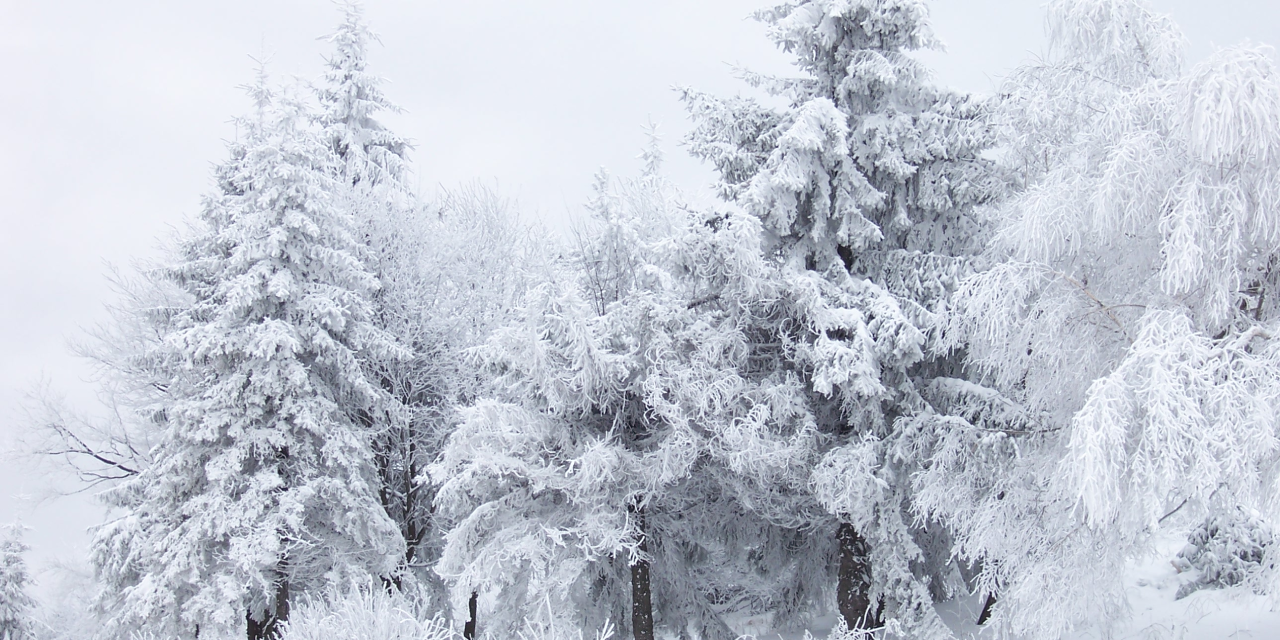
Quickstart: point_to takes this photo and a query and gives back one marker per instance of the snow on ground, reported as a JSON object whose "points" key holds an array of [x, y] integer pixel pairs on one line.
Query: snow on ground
{"points": [[1209, 614]]}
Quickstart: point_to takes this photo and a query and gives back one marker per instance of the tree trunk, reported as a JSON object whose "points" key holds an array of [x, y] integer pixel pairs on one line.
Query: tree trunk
{"points": [[641, 604], [268, 628], [853, 589], [256, 631], [986, 609], [469, 629], [969, 572]]}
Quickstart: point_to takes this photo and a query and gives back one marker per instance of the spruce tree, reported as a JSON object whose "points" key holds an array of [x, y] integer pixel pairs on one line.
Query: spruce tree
{"points": [[369, 177], [351, 100], [16, 603], [653, 432], [262, 486], [449, 269], [868, 173]]}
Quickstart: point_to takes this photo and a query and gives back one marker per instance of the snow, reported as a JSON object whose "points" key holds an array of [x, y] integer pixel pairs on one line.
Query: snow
{"points": [[1154, 612], [1152, 585]]}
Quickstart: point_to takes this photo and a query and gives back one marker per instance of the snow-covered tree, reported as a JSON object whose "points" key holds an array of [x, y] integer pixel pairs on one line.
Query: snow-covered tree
{"points": [[450, 269], [869, 177], [351, 100], [16, 603], [1124, 333], [543, 483], [660, 415], [451, 272], [262, 484], [369, 177]]}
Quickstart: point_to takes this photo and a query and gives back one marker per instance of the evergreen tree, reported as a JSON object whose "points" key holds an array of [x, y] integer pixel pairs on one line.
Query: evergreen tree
{"points": [[369, 176], [655, 420], [15, 603], [351, 100], [872, 174], [261, 487]]}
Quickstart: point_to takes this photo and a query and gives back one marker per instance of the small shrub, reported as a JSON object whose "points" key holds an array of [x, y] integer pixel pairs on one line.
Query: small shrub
{"points": [[1225, 550], [367, 613]]}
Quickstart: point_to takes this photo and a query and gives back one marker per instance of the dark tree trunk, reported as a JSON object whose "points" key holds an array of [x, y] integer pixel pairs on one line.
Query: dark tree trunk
{"points": [[641, 603], [853, 589], [986, 609], [256, 628], [469, 629], [268, 628]]}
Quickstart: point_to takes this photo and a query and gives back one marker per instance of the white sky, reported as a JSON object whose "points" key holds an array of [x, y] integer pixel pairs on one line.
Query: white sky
{"points": [[114, 112]]}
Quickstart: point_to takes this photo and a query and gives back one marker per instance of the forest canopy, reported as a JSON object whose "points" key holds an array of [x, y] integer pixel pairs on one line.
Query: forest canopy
{"points": [[926, 347]]}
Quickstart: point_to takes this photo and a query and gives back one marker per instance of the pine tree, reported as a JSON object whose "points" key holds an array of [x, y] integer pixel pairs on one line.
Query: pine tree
{"points": [[15, 602], [871, 174], [1137, 260], [370, 175], [654, 420], [351, 100], [261, 487]]}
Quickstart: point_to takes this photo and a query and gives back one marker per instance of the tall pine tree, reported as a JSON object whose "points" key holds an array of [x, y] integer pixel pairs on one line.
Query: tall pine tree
{"points": [[262, 486], [449, 271], [869, 173], [351, 100]]}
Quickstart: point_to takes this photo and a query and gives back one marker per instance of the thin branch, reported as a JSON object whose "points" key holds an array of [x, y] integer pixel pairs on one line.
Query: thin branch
{"points": [[698, 302], [1175, 510], [1105, 308]]}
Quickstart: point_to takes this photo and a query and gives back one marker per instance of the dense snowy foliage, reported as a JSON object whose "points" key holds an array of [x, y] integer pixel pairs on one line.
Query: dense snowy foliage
{"points": [[1224, 550], [1124, 329], [669, 407], [448, 271], [870, 176], [262, 482], [366, 613]]}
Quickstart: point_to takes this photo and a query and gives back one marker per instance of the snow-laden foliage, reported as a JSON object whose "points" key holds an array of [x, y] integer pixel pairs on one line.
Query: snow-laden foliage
{"points": [[451, 272], [868, 157], [448, 272], [16, 604], [262, 483], [1124, 333], [351, 100], [1224, 550], [369, 612], [671, 405], [869, 177]]}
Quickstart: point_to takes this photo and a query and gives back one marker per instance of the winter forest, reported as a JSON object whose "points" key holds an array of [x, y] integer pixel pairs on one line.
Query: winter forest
{"points": [[935, 365]]}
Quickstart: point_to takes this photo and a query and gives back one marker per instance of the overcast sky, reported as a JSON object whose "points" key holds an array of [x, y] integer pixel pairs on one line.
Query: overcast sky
{"points": [[113, 113]]}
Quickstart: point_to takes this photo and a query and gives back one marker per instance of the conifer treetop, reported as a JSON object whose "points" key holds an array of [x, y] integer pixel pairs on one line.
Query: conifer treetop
{"points": [[351, 100]]}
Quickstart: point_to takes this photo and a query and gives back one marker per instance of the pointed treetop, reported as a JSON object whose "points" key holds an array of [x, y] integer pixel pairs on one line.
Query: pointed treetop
{"points": [[351, 101], [848, 48], [652, 154], [260, 91]]}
